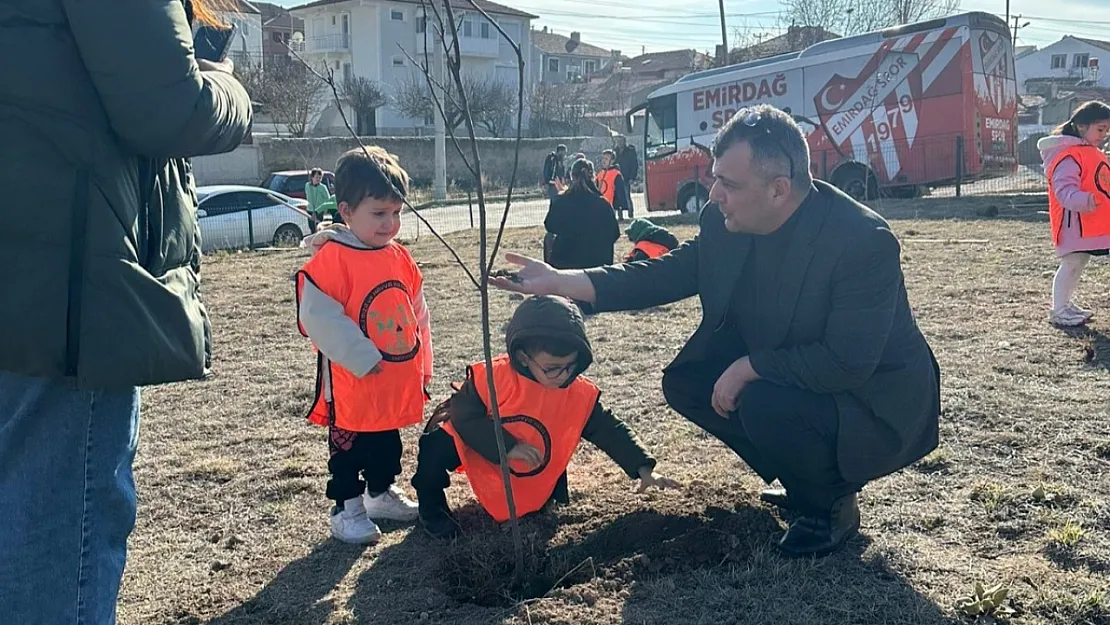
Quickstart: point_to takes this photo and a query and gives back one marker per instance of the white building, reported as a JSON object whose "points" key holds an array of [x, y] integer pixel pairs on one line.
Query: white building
{"points": [[247, 47], [1070, 59], [371, 38]]}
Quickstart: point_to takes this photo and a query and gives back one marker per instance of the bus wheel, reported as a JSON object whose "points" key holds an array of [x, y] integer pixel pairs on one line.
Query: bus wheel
{"points": [[691, 198], [857, 182]]}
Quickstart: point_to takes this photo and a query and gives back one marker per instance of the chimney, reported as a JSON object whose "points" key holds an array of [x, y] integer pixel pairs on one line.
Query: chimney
{"points": [[576, 36], [545, 29], [615, 54]]}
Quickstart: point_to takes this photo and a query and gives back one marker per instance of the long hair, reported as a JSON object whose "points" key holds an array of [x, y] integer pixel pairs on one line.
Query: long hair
{"points": [[582, 177], [1088, 113], [208, 11]]}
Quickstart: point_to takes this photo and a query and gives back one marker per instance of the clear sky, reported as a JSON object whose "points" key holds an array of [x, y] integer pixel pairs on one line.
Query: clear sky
{"points": [[653, 25]]}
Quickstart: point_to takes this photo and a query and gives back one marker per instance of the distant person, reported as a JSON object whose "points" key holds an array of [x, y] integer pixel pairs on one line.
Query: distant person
{"points": [[541, 376], [612, 184], [629, 165], [554, 172], [1078, 203], [581, 226], [648, 240], [360, 298], [103, 111], [318, 195]]}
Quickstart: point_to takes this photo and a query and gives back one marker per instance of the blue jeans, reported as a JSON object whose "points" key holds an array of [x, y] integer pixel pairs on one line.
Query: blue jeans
{"points": [[67, 499]]}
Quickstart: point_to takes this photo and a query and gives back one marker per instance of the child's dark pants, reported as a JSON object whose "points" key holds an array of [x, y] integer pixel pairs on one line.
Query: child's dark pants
{"points": [[376, 455]]}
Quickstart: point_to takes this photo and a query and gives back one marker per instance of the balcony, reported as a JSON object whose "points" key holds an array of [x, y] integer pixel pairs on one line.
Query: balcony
{"points": [[329, 43]]}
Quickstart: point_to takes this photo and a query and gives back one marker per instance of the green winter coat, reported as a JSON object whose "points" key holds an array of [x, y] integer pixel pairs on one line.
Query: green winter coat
{"points": [[99, 247]]}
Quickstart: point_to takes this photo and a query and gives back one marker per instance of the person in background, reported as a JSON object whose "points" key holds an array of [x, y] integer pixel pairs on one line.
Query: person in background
{"points": [[649, 240], [317, 194], [105, 107], [581, 226], [1078, 203], [629, 165], [612, 184], [360, 298], [554, 172]]}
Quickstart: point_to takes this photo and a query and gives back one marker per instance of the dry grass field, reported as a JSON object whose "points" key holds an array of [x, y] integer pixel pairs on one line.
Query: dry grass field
{"points": [[233, 526]]}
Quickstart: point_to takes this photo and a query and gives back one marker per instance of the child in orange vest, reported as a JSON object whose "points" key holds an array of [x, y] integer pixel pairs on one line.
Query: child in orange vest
{"points": [[546, 405], [649, 240], [1078, 201], [613, 186], [360, 299]]}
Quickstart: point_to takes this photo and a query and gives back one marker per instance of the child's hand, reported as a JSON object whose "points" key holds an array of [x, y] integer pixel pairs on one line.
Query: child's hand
{"points": [[648, 478], [529, 455]]}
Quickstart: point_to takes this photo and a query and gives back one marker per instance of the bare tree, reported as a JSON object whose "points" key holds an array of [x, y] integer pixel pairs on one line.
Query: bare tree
{"points": [[294, 96], [559, 109], [365, 97], [851, 17], [492, 102]]}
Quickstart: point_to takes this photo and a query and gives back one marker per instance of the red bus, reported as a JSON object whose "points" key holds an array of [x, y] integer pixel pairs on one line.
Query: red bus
{"points": [[884, 111]]}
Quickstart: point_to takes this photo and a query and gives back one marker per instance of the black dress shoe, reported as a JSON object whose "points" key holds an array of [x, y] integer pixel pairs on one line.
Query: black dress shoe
{"points": [[819, 535], [776, 497]]}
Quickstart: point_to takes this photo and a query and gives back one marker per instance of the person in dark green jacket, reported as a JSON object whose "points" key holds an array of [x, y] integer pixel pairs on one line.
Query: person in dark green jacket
{"points": [[102, 110]]}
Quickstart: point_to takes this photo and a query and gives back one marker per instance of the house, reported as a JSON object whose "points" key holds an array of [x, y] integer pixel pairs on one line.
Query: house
{"points": [[562, 59], [375, 38], [281, 31], [247, 47], [1072, 60], [1020, 51], [795, 39], [627, 82]]}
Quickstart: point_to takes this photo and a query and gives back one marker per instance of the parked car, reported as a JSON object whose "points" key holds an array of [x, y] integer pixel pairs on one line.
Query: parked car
{"points": [[237, 216], [292, 182]]}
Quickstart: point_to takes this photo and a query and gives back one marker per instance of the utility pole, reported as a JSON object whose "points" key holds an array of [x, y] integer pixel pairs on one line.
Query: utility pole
{"points": [[1017, 25], [724, 35], [439, 183], [1008, 19]]}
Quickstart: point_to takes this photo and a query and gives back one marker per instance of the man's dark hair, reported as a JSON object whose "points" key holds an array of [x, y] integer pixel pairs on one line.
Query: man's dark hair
{"points": [[315, 171], [372, 172], [777, 143], [556, 347]]}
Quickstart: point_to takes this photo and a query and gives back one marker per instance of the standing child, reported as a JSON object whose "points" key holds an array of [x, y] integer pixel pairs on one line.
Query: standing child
{"points": [[546, 407], [1078, 202], [360, 299], [648, 240], [612, 184]]}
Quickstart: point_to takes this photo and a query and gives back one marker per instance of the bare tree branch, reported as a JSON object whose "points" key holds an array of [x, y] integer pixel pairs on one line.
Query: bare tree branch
{"points": [[852, 17]]}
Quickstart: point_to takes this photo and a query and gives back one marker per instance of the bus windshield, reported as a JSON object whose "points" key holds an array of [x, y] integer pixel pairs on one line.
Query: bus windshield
{"points": [[662, 127]]}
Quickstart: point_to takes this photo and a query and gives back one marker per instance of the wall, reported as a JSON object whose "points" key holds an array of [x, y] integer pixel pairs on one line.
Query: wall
{"points": [[415, 153], [1039, 64]]}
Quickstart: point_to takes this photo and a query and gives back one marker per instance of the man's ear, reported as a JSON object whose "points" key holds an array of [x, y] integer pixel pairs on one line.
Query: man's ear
{"points": [[781, 187]]}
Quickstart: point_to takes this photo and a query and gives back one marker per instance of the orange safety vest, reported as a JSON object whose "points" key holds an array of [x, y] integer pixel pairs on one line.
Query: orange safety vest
{"points": [[376, 288], [607, 183], [651, 248], [549, 419], [1094, 176]]}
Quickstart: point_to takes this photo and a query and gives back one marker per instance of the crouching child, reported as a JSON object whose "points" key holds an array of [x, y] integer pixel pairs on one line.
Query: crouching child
{"points": [[649, 240], [547, 407]]}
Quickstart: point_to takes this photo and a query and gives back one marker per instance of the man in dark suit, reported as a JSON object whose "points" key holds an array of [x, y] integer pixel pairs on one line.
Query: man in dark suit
{"points": [[807, 362]]}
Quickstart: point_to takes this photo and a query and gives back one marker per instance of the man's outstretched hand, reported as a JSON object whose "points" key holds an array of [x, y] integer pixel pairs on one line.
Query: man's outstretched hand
{"points": [[534, 277]]}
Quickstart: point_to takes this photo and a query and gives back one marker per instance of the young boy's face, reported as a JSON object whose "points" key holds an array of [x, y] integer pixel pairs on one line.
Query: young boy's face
{"points": [[375, 222], [550, 371]]}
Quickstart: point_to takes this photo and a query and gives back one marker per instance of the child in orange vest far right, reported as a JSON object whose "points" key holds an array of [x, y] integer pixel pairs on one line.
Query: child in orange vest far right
{"points": [[649, 240], [546, 405], [360, 298], [1078, 175]]}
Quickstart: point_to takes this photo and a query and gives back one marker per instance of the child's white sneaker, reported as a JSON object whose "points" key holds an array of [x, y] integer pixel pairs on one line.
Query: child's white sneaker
{"points": [[1079, 310], [1067, 318], [351, 525], [392, 505]]}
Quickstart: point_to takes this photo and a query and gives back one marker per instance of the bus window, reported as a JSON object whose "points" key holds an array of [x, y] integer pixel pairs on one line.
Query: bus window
{"points": [[662, 127]]}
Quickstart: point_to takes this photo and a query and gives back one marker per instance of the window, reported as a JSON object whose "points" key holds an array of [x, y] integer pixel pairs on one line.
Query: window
{"points": [[397, 16], [333, 20], [347, 73], [227, 203], [552, 64], [398, 61], [1079, 61], [421, 24], [591, 67], [468, 28], [337, 64], [485, 30], [275, 36], [1059, 61], [662, 127]]}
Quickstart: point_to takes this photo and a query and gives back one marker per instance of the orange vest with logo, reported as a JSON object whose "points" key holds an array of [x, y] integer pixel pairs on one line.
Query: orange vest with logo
{"points": [[377, 288], [549, 419], [607, 183], [652, 249], [1094, 176]]}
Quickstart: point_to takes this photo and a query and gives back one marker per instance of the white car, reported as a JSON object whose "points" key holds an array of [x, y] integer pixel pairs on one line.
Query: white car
{"points": [[238, 216]]}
